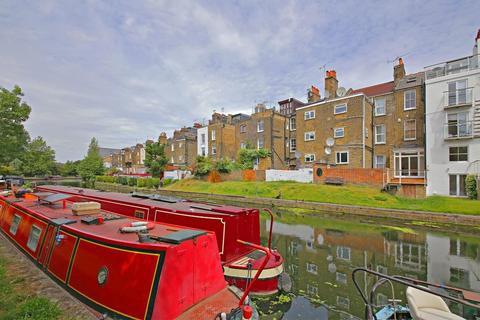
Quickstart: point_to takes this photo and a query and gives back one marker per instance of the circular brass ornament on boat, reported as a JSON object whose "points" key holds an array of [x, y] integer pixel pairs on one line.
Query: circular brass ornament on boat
{"points": [[102, 275]]}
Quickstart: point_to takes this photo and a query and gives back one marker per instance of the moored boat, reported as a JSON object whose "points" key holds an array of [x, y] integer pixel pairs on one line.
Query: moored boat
{"points": [[174, 273], [230, 223]]}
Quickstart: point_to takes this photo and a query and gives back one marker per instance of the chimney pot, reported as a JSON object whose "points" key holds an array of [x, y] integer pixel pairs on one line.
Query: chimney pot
{"points": [[478, 35]]}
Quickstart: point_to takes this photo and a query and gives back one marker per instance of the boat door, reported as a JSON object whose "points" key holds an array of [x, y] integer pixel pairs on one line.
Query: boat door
{"points": [[48, 244]]}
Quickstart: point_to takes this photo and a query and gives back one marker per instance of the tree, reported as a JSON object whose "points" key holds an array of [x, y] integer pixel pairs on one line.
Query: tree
{"points": [[155, 159], [13, 136], [92, 164], [247, 156], [69, 168], [203, 166], [39, 159]]}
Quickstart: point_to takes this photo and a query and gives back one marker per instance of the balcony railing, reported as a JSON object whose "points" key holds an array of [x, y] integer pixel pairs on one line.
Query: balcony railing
{"points": [[459, 130], [452, 67], [457, 98]]}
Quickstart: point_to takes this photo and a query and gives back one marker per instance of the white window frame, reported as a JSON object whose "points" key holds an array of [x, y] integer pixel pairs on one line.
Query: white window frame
{"points": [[214, 135], [377, 134], [340, 152], [293, 124], [341, 250], [335, 111], [457, 185], [243, 128], [309, 136], [214, 149], [312, 268], [336, 133], [260, 126], [414, 100], [384, 161], [31, 243], [308, 115], [384, 99], [173, 146], [458, 153], [309, 157], [258, 143], [14, 226], [293, 145], [405, 129], [203, 138], [243, 145]]}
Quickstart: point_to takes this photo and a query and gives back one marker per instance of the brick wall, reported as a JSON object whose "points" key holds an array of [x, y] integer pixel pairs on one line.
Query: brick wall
{"points": [[367, 176]]}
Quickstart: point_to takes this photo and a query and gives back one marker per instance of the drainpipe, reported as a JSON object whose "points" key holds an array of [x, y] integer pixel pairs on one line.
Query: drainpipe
{"points": [[363, 132]]}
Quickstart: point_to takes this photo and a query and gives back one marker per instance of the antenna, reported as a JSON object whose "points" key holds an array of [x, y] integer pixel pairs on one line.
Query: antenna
{"points": [[398, 57]]}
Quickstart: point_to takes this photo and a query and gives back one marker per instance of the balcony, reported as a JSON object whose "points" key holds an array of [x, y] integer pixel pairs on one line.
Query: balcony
{"points": [[452, 67], [459, 130], [457, 98]]}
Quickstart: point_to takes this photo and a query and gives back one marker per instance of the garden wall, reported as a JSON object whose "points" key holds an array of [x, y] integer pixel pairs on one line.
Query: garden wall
{"points": [[302, 175]]}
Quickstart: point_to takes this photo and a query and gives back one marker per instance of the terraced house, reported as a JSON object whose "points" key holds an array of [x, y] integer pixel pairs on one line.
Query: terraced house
{"points": [[181, 148], [335, 130], [399, 127]]}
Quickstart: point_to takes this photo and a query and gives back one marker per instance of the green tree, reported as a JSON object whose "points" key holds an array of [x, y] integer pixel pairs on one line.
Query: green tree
{"points": [[13, 136], [155, 159], [69, 168], [203, 166], [92, 164], [39, 159], [246, 157]]}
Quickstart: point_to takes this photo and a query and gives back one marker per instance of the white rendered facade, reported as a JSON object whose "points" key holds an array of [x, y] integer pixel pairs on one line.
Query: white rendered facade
{"points": [[452, 118], [202, 141]]}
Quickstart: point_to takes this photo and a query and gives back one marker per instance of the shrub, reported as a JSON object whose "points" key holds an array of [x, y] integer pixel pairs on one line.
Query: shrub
{"points": [[203, 166], [122, 180], [471, 186], [141, 182], [167, 181], [224, 166], [132, 181]]}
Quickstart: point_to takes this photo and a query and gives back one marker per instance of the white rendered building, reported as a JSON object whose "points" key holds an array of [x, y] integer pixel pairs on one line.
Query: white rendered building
{"points": [[452, 118], [202, 141]]}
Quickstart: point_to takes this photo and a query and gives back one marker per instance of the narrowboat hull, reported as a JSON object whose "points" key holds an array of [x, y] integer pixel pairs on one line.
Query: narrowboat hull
{"points": [[227, 222], [114, 273]]}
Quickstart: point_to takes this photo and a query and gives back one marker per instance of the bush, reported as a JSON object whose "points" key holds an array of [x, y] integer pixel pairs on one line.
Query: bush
{"points": [[203, 166], [107, 179], [167, 181], [141, 182], [224, 166], [132, 181], [122, 180], [471, 186]]}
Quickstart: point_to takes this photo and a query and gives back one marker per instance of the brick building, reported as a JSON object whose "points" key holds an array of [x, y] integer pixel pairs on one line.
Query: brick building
{"points": [[128, 160], [181, 148], [345, 121], [288, 108], [399, 124]]}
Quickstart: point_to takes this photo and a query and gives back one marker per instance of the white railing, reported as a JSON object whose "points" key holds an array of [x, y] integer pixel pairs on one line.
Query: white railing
{"points": [[456, 98], [459, 130], [452, 67]]}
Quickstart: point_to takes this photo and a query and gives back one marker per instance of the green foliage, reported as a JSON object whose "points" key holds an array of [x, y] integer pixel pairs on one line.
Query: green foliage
{"points": [[132, 181], [13, 136], [108, 179], [246, 157], [69, 168], [155, 159], [39, 159], [471, 186], [122, 180], [224, 166], [92, 164], [168, 181], [203, 166]]}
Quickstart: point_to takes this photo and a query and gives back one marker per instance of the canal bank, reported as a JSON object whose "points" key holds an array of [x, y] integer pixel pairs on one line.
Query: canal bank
{"points": [[317, 208]]}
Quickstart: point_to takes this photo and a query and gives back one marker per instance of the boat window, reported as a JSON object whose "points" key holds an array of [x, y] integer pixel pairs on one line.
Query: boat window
{"points": [[139, 214], [34, 237], [15, 223]]}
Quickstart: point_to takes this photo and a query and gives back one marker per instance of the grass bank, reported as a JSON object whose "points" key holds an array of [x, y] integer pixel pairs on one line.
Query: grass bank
{"points": [[349, 195], [16, 302]]}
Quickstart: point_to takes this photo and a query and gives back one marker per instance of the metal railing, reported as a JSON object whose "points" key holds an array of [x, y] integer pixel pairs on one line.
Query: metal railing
{"points": [[457, 98], [370, 306], [459, 129], [452, 67]]}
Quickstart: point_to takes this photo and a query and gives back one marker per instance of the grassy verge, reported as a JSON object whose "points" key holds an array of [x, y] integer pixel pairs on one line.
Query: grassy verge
{"points": [[17, 303], [351, 195]]}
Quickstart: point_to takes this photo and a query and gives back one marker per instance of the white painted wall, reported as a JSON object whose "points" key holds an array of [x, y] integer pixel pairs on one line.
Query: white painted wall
{"points": [[200, 145], [301, 175], [177, 174], [437, 148]]}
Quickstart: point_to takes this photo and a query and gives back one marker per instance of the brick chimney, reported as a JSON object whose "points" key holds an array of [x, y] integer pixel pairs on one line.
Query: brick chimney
{"points": [[313, 94], [197, 125], [162, 139], [398, 71], [476, 48], [331, 84]]}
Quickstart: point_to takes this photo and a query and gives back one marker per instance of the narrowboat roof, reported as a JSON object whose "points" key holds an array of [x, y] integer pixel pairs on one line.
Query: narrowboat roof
{"points": [[108, 231], [179, 204]]}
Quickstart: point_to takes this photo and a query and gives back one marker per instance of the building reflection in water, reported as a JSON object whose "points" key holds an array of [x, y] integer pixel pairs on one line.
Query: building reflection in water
{"points": [[320, 260]]}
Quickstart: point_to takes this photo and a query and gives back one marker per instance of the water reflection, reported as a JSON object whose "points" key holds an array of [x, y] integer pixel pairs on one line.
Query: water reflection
{"points": [[320, 255]]}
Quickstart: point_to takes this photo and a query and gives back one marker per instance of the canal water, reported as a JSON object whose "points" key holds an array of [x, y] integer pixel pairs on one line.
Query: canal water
{"points": [[320, 254]]}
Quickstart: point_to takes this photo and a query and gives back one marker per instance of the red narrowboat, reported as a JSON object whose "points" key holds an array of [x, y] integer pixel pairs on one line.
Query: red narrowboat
{"points": [[171, 272], [229, 223]]}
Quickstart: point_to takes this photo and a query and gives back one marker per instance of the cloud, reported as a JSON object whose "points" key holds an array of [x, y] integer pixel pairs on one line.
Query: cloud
{"points": [[125, 71]]}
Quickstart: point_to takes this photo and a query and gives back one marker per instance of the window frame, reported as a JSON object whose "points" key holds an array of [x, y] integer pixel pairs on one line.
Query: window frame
{"points": [[310, 112], [384, 106], [309, 133], [258, 143], [293, 144], [30, 240], [310, 156], [457, 153], [340, 105], [214, 135], [243, 128], [405, 129], [260, 123], [13, 230], [335, 132], [214, 149], [414, 99], [384, 161], [384, 134], [293, 123], [341, 152]]}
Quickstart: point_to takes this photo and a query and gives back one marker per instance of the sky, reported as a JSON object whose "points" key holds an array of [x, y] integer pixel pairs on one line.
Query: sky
{"points": [[124, 71]]}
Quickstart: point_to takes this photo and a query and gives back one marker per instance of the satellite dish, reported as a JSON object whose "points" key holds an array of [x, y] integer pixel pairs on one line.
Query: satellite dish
{"points": [[341, 91], [328, 150], [330, 142]]}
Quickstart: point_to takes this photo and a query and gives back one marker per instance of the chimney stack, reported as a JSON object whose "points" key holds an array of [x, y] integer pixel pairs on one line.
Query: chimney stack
{"points": [[331, 84], [398, 71], [162, 139], [313, 94]]}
